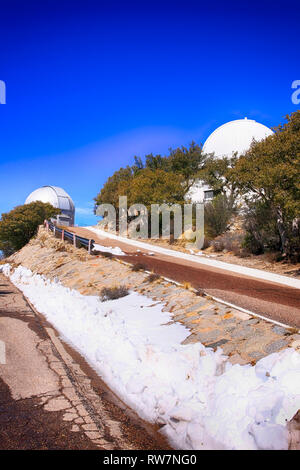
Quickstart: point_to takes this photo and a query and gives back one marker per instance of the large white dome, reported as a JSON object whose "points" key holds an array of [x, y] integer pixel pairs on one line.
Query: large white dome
{"points": [[55, 196], [235, 136]]}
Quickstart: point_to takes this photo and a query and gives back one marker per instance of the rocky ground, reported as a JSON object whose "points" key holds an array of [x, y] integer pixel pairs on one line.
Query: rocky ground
{"points": [[49, 396], [244, 338]]}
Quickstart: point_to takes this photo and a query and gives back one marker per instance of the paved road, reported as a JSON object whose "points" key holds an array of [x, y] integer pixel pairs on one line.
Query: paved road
{"points": [[272, 300], [50, 398]]}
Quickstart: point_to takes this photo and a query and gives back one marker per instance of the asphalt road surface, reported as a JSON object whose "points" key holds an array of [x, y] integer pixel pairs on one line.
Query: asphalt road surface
{"points": [[50, 398], [275, 301]]}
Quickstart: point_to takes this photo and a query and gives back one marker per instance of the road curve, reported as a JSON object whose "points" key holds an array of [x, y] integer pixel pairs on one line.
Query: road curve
{"points": [[275, 301]]}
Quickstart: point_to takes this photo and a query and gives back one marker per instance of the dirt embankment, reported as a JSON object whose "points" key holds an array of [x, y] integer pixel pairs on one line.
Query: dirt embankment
{"points": [[242, 337]]}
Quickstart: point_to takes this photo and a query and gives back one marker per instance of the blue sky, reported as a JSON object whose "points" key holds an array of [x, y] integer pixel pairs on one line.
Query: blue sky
{"points": [[91, 84]]}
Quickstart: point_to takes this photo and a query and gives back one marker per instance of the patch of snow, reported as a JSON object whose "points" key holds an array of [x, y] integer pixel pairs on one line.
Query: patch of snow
{"points": [[203, 401], [252, 272], [197, 253], [108, 249]]}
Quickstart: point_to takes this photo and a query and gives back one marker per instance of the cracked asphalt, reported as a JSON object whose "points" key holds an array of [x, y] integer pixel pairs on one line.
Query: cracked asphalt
{"points": [[50, 398]]}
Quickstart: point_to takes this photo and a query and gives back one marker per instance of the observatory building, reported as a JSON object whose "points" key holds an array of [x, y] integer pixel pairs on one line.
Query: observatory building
{"points": [[58, 198], [228, 139]]}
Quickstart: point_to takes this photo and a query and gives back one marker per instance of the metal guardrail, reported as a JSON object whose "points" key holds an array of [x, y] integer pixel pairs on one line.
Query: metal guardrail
{"points": [[72, 237]]}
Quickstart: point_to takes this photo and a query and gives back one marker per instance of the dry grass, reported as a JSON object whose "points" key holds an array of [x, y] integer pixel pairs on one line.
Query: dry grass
{"points": [[230, 242], [153, 277], [138, 267], [292, 331], [106, 254], [113, 293], [187, 285]]}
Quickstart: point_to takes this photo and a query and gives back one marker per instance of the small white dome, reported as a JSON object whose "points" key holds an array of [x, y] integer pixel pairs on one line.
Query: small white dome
{"points": [[57, 197], [235, 136], [54, 195]]}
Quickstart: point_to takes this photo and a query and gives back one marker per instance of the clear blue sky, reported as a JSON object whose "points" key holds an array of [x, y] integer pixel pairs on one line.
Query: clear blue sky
{"points": [[91, 84]]}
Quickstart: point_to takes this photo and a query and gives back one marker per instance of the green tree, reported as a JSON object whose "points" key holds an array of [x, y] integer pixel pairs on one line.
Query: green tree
{"points": [[183, 164], [187, 162], [269, 173], [114, 186], [19, 225], [216, 173], [261, 228], [155, 187]]}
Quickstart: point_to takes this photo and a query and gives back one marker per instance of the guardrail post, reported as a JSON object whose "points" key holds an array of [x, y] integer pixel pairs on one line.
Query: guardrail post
{"points": [[54, 230], [89, 249], [62, 234], [74, 239]]}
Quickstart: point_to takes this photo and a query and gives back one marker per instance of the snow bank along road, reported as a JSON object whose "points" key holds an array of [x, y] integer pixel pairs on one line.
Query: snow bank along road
{"points": [[200, 398], [267, 294], [49, 397]]}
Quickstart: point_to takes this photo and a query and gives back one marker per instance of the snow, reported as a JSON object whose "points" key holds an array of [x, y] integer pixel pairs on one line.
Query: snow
{"points": [[203, 401], [197, 253], [256, 273], [108, 249]]}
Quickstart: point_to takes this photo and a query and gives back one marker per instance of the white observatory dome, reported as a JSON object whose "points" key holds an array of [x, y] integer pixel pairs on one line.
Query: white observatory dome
{"points": [[58, 198], [235, 136]]}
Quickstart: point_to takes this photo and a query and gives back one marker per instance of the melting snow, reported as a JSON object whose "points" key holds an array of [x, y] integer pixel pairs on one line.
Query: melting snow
{"points": [[108, 249], [203, 401]]}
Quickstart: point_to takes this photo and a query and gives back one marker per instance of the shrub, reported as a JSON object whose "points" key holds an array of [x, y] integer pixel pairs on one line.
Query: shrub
{"points": [[187, 285], [230, 241], [138, 267], [217, 215], [261, 228], [6, 249], [153, 277], [113, 293], [19, 225]]}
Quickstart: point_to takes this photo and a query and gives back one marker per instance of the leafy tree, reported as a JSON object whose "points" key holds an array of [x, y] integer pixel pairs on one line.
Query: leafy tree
{"points": [[19, 225], [187, 162], [110, 192], [155, 187], [216, 173], [269, 173], [156, 162], [182, 164]]}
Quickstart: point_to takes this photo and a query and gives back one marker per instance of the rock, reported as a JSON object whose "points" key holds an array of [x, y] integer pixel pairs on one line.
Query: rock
{"points": [[296, 345], [243, 332], [256, 355], [293, 427], [279, 330], [217, 343], [276, 346]]}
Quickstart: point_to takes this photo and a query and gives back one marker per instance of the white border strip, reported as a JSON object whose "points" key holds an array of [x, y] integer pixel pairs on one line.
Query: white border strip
{"points": [[262, 317]]}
